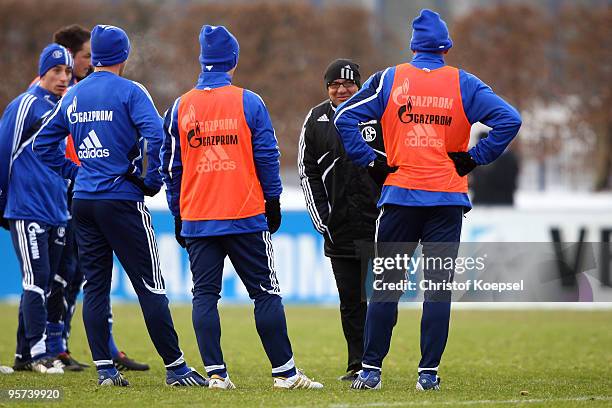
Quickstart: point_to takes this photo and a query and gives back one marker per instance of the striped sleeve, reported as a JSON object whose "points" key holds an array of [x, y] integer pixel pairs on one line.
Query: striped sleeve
{"points": [[170, 157], [145, 117], [311, 179], [481, 104], [367, 104], [265, 146], [21, 122], [48, 143], [11, 129]]}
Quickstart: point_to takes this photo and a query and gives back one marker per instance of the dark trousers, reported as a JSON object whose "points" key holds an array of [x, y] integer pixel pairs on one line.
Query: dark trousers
{"points": [[347, 272], [253, 258], [70, 263], [438, 229], [122, 227], [38, 247], [57, 305], [71, 271]]}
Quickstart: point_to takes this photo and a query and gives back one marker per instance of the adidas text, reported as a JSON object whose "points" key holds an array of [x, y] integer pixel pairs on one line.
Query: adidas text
{"points": [[206, 166], [93, 153], [91, 147]]}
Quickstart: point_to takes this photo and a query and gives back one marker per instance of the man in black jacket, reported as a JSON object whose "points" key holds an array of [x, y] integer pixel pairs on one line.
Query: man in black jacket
{"points": [[341, 198]]}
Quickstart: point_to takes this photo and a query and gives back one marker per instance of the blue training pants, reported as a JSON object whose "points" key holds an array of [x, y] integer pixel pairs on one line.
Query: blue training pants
{"points": [[123, 227], [253, 258], [438, 228]]}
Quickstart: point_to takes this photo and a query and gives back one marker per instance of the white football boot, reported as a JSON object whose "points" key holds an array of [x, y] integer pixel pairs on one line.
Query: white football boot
{"points": [[48, 366], [299, 380], [6, 370], [218, 382]]}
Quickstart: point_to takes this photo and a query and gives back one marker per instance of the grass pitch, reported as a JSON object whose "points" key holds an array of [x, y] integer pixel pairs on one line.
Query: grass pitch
{"points": [[493, 358]]}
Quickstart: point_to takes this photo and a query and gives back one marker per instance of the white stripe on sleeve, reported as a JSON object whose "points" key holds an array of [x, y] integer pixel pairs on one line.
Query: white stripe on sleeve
{"points": [[310, 203], [172, 137]]}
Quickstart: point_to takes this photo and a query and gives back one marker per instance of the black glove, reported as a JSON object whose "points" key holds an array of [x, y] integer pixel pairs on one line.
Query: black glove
{"points": [[463, 162], [178, 225], [273, 214], [70, 194], [139, 182], [4, 223], [379, 170]]}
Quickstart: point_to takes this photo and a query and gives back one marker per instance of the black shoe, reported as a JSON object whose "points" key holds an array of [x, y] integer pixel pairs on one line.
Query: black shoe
{"points": [[349, 376], [70, 364], [124, 363], [76, 361], [22, 365]]}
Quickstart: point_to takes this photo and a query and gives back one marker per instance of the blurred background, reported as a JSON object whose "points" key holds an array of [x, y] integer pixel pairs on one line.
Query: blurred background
{"points": [[552, 59]]}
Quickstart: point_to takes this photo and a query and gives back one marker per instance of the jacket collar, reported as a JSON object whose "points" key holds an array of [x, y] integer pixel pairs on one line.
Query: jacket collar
{"points": [[213, 80], [46, 95], [428, 60]]}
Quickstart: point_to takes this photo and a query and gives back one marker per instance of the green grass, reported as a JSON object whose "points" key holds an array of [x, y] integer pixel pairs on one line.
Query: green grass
{"points": [[561, 358]]}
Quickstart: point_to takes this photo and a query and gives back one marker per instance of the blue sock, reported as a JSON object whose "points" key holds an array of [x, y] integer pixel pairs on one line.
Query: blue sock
{"points": [[55, 343], [180, 370], [429, 374], [107, 367], [111, 342]]}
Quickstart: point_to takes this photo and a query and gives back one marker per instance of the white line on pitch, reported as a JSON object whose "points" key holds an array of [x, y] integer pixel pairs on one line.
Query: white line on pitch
{"points": [[473, 402]]}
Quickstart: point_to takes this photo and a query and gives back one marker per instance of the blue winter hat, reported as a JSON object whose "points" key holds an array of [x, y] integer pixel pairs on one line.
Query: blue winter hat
{"points": [[110, 45], [52, 55], [219, 49], [430, 33]]}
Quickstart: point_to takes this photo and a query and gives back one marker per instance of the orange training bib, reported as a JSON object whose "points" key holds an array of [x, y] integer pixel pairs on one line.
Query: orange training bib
{"points": [[423, 120], [219, 178]]}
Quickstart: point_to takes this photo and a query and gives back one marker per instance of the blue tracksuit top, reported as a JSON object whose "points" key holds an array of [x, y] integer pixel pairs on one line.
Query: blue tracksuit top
{"points": [[480, 104], [110, 119], [29, 190], [265, 154]]}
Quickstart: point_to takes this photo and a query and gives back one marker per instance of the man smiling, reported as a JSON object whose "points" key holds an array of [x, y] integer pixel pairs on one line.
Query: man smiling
{"points": [[341, 198]]}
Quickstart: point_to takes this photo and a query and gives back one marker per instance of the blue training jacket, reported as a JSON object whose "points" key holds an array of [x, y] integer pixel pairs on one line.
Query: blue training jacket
{"points": [[265, 154], [480, 104], [110, 118], [29, 190]]}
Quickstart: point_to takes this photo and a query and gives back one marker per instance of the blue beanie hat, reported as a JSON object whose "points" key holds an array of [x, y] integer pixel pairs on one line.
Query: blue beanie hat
{"points": [[52, 55], [219, 49], [110, 45], [430, 33]]}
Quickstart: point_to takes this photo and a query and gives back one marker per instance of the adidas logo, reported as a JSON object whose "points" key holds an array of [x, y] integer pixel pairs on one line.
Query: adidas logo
{"points": [[215, 159], [423, 136], [91, 147], [346, 72], [323, 118]]}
